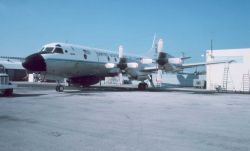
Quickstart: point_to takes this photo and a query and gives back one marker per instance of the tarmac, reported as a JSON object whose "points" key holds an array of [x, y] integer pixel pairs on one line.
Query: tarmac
{"points": [[123, 119]]}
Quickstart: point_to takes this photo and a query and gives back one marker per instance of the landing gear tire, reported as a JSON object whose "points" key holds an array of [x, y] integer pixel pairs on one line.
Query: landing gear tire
{"points": [[142, 86], [59, 88], [8, 92]]}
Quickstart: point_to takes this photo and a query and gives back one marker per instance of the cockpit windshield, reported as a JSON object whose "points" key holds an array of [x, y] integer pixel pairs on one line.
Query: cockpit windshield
{"points": [[45, 50]]}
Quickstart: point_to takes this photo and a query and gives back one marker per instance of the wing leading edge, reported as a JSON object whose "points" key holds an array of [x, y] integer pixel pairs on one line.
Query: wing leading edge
{"points": [[191, 65], [184, 66]]}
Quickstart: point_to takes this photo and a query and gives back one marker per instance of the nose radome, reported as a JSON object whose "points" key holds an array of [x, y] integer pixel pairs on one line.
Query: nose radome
{"points": [[34, 62]]}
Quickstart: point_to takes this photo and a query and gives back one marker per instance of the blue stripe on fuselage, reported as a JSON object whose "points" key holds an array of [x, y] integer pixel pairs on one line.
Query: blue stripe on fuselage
{"points": [[70, 60]]}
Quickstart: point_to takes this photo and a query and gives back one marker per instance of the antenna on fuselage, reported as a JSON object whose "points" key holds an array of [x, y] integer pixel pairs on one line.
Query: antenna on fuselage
{"points": [[211, 49], [152, 49]]}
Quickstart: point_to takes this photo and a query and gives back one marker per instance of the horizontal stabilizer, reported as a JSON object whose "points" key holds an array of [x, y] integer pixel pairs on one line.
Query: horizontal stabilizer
{"points": [[185, 58]]}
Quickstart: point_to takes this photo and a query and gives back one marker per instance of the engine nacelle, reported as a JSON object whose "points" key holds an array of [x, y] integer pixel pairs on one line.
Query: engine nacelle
{"points": [[146, 61], [175, 60]]}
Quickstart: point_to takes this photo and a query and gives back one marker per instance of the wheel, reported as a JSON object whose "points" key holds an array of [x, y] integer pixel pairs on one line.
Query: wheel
{"points": [[59, 88], [8, 92]]}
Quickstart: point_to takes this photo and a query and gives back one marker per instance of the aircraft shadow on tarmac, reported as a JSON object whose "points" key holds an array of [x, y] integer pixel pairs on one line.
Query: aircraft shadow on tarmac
{"points": [[96, 90], [7, 118], [116, 89], [126, 89], [21, 95]]}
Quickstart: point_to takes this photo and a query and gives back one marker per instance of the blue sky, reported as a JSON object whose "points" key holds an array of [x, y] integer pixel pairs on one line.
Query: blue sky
{"points": [[185, 25]]}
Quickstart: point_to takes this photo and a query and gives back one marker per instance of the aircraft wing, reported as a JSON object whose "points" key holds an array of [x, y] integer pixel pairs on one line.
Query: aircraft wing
{"points": [[9, 64], [191, 65], [183, 66]]}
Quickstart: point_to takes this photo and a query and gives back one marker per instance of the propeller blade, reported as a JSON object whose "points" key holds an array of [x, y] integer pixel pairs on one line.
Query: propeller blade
{"points": [[120, 78], [120, 51], [159, 78], [153, 43], [160, 46]]}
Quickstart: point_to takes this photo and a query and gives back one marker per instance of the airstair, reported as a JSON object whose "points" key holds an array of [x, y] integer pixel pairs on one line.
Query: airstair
{"points": [[246, 83], [159, 79], [225, 78]]}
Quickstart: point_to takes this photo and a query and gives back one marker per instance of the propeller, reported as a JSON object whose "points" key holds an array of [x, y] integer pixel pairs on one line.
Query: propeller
{"points": [[162, 58], [123, 63]]}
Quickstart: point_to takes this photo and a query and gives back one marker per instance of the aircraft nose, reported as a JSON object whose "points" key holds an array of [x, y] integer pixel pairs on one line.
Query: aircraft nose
{"points": [[34, 62]]}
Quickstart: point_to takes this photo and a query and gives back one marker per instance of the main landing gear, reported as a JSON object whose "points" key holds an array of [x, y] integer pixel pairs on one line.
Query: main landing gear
{"points": [[59, 88], [142, 86]]}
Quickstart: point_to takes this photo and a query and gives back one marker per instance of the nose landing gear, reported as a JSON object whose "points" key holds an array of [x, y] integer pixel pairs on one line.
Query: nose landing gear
{"points": [[59, 88]]}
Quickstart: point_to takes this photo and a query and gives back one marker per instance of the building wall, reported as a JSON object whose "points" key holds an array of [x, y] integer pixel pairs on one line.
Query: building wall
{"points": [[215, 73]]}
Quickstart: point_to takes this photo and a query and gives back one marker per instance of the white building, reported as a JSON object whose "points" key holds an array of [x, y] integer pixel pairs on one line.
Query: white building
{"points": [[233, 76]]}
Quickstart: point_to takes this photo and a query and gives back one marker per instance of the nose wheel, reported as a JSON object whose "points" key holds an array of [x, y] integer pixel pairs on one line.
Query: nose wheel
{"points": [[59, 88], [142, 86]]}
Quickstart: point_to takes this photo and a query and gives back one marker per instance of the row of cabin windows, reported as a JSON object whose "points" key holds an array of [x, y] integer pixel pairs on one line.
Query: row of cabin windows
{"points": [[86, 57], [60, 50]]}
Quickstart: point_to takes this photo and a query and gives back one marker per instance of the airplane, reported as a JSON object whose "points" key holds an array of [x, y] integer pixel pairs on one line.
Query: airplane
{"points": [[13, 67], [86, 66]]}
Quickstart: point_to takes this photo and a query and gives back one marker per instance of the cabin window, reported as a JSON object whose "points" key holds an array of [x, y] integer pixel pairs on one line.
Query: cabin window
{"points": [[115, 59], [66, 51], [85, 56], [108, 58], [58, 50]]}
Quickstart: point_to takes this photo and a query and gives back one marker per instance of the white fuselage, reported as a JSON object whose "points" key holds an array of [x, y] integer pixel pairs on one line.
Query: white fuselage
{"points": [[76, 61]]}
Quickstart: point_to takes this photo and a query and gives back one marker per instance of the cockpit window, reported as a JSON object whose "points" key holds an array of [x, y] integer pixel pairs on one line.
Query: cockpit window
{"points": [[58, 50], [42, 48], [47, 49]]}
